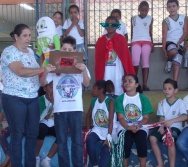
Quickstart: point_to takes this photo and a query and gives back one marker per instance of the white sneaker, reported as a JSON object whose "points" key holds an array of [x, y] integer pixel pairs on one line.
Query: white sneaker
{"points": [[45, 162], [168, 67], [37, 161]]}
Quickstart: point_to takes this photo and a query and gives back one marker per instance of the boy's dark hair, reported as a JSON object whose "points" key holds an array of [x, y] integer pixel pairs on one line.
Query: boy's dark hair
{"points": [[69, 40], [115, 11], [138, 89], [74, 6], [143, 3], [172, 82], [112, 18], [58, 12], [175, 1]]}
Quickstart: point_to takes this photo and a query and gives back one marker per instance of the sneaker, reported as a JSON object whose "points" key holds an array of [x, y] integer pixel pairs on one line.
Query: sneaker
{"points": [[37, 161], [168, 67], [45, 162]]}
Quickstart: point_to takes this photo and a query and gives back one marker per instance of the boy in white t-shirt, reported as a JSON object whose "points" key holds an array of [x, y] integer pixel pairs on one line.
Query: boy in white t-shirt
{"points": [[122, 29], [174, 32], [68, 107], [172, 111]]}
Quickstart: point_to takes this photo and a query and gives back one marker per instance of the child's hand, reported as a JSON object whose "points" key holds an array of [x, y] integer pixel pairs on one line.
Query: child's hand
{"points": [[49, 68], [161, 130], [81, 66], [134, 128], [75, 21], [106, 143], [168, 123], [51, 46]]}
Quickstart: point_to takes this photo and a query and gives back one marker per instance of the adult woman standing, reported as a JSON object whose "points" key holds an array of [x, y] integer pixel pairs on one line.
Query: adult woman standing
{"points": [[20, 98]]}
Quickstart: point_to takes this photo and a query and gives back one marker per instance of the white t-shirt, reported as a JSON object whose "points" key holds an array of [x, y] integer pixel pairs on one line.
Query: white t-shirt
{"points": [[50, 121], [114, 71], [185, 100], [59, 30], [13, 84], [175, 28], [67, 91], [170, 111], [141, 28], [121, 30], [74, 31]]}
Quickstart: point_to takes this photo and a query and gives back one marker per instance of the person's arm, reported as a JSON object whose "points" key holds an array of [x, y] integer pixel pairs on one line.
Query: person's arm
{"points": [[151, 34], [161, 128], [111, 116], [181, 118], [82, 67], [145, 119], [80, 31], [18, 68], [164, 36], [47, 69], [185, 33], [88, 118], [122, 121]]}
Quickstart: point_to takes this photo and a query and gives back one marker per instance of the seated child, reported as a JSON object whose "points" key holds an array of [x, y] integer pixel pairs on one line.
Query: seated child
{"points": [[46, 126], [133, 109], [172, 111], [102, 113]]}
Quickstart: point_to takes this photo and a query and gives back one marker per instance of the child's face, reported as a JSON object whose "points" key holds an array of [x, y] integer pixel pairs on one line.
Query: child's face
{"points": [[143, 11], [172, 8], [73, 13], [67, 48], [169, 90], [49, 90], [94, 91], [116, 15], [57, 19], [110, 30], [130, 84]]}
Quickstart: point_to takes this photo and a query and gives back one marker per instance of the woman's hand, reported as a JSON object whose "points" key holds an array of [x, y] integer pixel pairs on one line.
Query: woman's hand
{"points": [[49, 68]]}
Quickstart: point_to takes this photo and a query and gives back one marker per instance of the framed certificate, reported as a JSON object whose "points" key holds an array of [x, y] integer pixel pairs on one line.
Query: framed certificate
{"points": [[65, 61]]}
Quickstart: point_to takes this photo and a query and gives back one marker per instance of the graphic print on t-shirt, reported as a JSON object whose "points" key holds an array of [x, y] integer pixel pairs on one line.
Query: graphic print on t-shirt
{"points": [[101, 119], [67, 87], [111, 59], [132, 113]]}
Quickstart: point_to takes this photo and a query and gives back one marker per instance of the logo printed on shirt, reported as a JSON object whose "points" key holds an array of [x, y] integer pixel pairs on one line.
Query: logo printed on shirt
{"points": [[132, 113], [101, 119], [181, 23], [145, 24], [68, 87], [111, 58]]}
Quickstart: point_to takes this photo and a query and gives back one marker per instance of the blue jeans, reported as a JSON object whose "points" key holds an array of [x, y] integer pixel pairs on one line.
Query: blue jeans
{"points": [[182, 142], [91, 143], [64, 120], [23, 116]]}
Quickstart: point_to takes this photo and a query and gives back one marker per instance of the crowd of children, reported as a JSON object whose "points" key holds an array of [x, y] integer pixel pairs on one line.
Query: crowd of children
{"points": [[119, 111]]}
